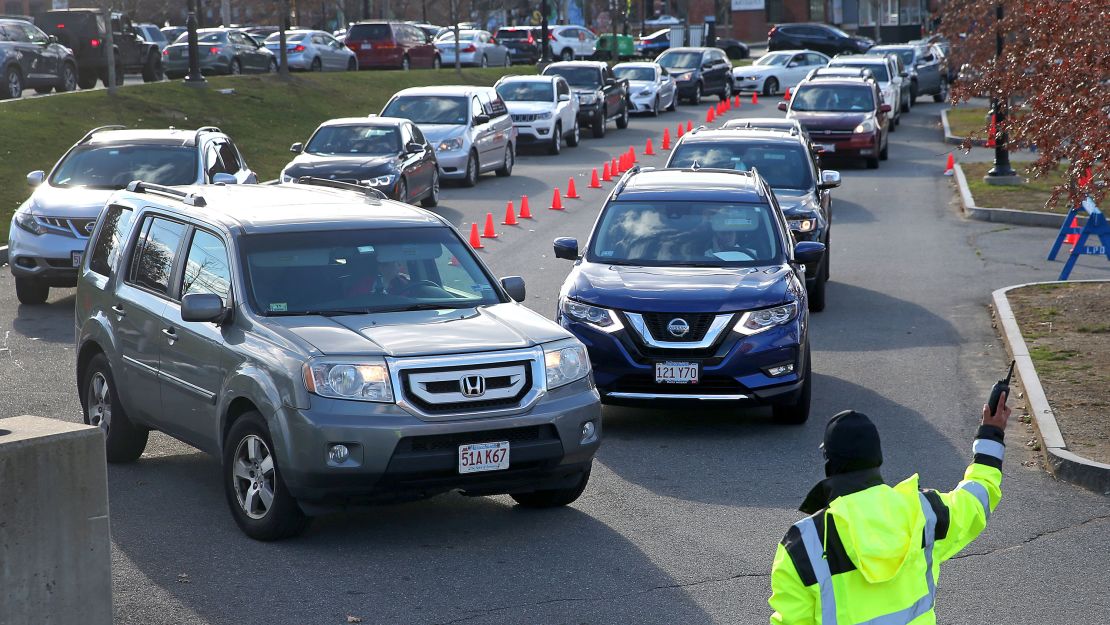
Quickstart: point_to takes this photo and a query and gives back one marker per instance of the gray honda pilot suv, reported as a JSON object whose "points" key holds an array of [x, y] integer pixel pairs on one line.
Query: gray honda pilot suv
{"points": [[330, 347]]}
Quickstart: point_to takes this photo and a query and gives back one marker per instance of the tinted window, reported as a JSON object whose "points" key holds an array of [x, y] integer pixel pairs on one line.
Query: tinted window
{"points": [[685, 233], [505, 33], [878, 69], [417, 135], [784, 166], [371, 32], [498, 106], [155, 253], [429, 109], [34, 35], [838, 98], [577, 76], [115, 166], [230, 157], [635, 73], [212, 164], [679, 60], [355, 140], [526, 91], [206, 267], [106, 249]]}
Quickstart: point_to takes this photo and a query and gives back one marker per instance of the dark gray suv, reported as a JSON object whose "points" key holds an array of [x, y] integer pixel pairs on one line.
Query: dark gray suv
{"points": [[331, 347]]}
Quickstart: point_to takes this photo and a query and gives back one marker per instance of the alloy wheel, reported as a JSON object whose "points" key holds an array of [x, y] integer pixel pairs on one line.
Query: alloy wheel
{"points": [[69, 78], [99, 401], [254, 476], [15, 85]]}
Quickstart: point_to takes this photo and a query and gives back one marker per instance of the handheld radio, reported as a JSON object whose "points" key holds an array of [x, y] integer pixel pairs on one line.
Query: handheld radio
{"points": [[1001, 386]]}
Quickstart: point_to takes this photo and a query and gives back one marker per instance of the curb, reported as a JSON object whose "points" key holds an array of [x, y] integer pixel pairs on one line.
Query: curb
{"points": [[1002, 215], [954, 139], [1062, 463]]}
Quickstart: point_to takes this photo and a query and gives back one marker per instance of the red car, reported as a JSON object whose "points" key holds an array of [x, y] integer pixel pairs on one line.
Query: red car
{"points": [[843, 116], [391, 45]]}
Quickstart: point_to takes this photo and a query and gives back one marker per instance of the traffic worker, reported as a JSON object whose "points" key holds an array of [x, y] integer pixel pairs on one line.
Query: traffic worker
{"points": [[871, 553]]}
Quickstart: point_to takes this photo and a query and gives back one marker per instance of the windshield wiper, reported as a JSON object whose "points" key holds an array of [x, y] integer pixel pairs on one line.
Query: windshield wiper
{"points": [[336, 312], [424, 306]]}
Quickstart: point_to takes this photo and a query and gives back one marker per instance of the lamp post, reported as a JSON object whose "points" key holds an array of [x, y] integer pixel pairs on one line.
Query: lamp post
{"points": [[194, 77], [545, 47], [1002, 172]]}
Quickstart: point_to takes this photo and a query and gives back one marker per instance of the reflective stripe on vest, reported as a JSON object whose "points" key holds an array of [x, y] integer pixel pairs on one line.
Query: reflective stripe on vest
{"points": [[988, 447], [815, 552], [980, 492]]}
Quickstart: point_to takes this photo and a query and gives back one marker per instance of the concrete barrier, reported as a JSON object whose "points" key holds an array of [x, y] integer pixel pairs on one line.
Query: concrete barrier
{"points": [[55, 549]]}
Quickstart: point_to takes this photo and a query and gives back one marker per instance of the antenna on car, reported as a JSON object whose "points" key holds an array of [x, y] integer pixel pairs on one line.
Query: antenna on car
{"points": [[339, 184], [101, 128], [192, 199]]}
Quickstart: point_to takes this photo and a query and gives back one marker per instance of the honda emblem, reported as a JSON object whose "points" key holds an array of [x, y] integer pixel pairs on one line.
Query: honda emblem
{"points": [[472, 385]]}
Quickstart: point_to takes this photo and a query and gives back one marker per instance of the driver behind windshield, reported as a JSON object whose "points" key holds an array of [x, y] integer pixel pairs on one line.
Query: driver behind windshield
{"points": [[727, 239]]}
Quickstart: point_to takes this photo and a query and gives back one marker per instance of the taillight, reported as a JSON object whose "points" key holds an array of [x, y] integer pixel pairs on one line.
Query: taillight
{"points": [[469, 48], [385, 45], [531, 39], [213, 50], [298, 48], [60, 25], [94, 43], [772, 31], [165, 52], [551, 36]]}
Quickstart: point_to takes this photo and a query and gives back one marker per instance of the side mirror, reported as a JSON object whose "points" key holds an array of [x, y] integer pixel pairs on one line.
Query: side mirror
{"points": [[223, 178], [610, 81], [808, 252], [414, 147], [296, 148], [202, 307], [51, 39], [791, 65], [884, 108], [36, 177], [481, 118], [566, 248], [830, 179], [903, 74], [514, 286], [564, 97], [783, 106]]}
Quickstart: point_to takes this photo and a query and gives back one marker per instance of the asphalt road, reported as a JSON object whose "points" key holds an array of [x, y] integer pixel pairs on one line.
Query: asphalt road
{"points": [[681, 519]]}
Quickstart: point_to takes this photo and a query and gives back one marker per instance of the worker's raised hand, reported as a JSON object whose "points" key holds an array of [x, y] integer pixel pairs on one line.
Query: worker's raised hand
{"points": [[1000, 416]]}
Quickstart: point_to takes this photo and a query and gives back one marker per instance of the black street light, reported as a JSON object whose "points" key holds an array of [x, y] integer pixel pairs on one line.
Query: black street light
{"points": [[1002, 172], [545, 47], [194, 77]]}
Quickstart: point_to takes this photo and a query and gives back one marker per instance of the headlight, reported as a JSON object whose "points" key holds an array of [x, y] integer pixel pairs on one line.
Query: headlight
{"points": [[684, 76], [361, 381], [866, 125], [587, 98], [752, 77], [380, 181], [286, 177], [566, 361], [543, 115], [644, 92], [803, 225], [601, 318], [448, 145], [756, 321], [26, 221]]}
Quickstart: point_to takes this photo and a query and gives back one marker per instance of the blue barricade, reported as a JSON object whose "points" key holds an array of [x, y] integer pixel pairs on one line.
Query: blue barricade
{"points": [[1095, 224]]}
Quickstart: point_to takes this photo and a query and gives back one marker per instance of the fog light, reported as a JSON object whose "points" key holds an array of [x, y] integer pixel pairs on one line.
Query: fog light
{"points": [[778, 370], [23, 261], [589, 433], [543, 131], [338, 454]]}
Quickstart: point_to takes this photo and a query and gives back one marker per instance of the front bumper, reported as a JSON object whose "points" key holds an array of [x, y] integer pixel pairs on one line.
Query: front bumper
{"points": [[394, 455], [45, 257], [535, 132], [860, 144], [685, 88], [643, 103], [745, 84], [452, 165]]}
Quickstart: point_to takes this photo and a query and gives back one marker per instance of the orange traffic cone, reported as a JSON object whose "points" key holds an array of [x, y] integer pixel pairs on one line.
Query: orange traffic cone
{"points": [[786, 94], [738, 100], [615, 167], [649, 150], [556, 201], [606, 175], [681, 129], [709, 115], [950, 166], [475, 242], [594, 182], [631, 156], [666, 138], [572, 193], [991, 131], [755, 98], [510, 216], [1073, 238], [489, 232], [728, 104], [525, 212], [689, 125]]}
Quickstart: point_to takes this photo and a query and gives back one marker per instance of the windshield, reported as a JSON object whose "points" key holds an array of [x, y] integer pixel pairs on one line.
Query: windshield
{"points": [[646, 74], [835, 98], [773, 59], [355, 140], [363, 271], [905, 53], [710, 234], [429, 109], [526, 91], [276, 37], [679, 60], [116, 166], [878, 69], [782, 166], [577, 76]]}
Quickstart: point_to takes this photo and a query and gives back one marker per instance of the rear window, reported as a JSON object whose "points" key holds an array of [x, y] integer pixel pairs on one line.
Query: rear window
{"points": [[63, 20], [370, 32], [834, 98], [576, 76], [512, 34], [784, 166], [220, 37], [276, 37], [878, 69]]}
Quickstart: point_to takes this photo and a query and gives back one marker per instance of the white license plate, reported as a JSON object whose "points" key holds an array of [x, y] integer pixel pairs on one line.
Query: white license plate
{"points": [[483, 457], [676, 372], [366, 46], [826, 147], [75, 257]]}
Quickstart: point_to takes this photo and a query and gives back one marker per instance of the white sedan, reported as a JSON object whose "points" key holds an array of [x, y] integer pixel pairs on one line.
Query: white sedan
{"points": [[775, 71], [650, 88]]}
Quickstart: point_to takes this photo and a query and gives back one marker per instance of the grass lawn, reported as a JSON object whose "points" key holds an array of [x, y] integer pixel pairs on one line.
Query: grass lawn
{"points": [[963, 121], [1031, 196], [264, 116], [742, 62]]}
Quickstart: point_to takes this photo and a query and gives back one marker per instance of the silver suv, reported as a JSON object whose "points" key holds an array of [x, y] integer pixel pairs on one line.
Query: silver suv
{"points": [[330, 346], [49, 230]]}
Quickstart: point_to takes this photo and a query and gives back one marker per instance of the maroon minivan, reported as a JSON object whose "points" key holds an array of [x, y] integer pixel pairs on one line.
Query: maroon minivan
{"points": [[392, 45]]}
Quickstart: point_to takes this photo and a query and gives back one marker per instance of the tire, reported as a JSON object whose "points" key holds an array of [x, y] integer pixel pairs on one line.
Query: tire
{"points": [[250, 471], [471, 177], [403, 191], [696, 98], [405, 64], [86, 81], [235, 68], [12, 88], [872, 163], [436, 62], [508, 61], [622, 121], [272, 68], [575, 136], [914, 93], [316, 66], [30, 292], [352, 65], [566, 55], [884, 152], [123, 440], [598, 125], [655, 108], [817, 295], [674, 103], [484, 62], [943, 94], [556, 145], [506, 170], [432, 199], [556, 497], [152, 68], [771, 86], [905, 104], [797, 411], [726, 93]]}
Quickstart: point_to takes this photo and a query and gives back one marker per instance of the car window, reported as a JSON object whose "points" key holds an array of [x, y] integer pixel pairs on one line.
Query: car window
{"points": [[229, 156], [525, 91], [783, 166], [206, 267], [155, 252], [114, 166], [108, 244], [236, 38], [353, 139], [212, 164], [576, 76], [799, 59], [816, 59], [425, 109], [635, 73], [34, 35], [417, 135], [370, 32], [562, 88], [498, 106], [880, 70]]}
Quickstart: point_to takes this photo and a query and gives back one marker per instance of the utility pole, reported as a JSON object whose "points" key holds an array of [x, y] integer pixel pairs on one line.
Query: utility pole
{"points": [[878, 20], [194, 77], [455, 26], [109, 50], [1001, 172], [545, 32], [283, 54]]}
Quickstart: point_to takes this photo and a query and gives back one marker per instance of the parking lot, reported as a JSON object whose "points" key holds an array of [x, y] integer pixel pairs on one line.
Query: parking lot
{"points": [[680, 520]]}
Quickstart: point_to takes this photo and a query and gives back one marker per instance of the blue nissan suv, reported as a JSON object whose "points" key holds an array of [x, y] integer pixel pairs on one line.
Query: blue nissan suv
{"points": [[691, 289]]}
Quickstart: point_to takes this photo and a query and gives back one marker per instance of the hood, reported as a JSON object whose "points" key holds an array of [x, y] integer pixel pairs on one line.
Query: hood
{"points": [[529, 108], [815, 121], [355, 167], [637, 85], [797, 203], [679, 289], [68, 202], [424, 333], [754, 70], [880, 527], [435, 133]]}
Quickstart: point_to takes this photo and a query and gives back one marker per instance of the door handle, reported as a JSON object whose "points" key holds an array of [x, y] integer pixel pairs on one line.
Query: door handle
{"points": [[171, 334], [120, 312]]}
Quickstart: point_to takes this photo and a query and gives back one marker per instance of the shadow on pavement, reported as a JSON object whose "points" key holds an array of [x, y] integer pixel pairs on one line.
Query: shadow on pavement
{"points": [[892, 323], [52, 322]]}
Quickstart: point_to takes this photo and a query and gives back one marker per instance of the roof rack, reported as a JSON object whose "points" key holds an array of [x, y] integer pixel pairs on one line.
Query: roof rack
{"points": [[339, 184], [192, 199], [196, 136], [92, 132], [624, 179]]}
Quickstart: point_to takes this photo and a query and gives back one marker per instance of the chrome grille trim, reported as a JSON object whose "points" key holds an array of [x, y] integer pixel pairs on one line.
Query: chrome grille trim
{"points": [[720, 322], [419, 384]]}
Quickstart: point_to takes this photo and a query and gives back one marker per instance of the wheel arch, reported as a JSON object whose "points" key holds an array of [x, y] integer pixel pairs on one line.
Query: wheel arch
{"points": [[89, 350]]}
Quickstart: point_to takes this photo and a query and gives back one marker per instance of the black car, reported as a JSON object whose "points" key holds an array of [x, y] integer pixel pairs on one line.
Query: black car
{"points": [[821, 37], [789, 164], [698, 71], [31, 58], [83, 31], [386, 153], [522, 42], [734, 48]]}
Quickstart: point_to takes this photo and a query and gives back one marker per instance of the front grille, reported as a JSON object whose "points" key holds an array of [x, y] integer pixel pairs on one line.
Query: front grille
{"points": [[524, 117], [76, 228], [441, 442], [441, 390], [657, 324], [817, 134]]}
